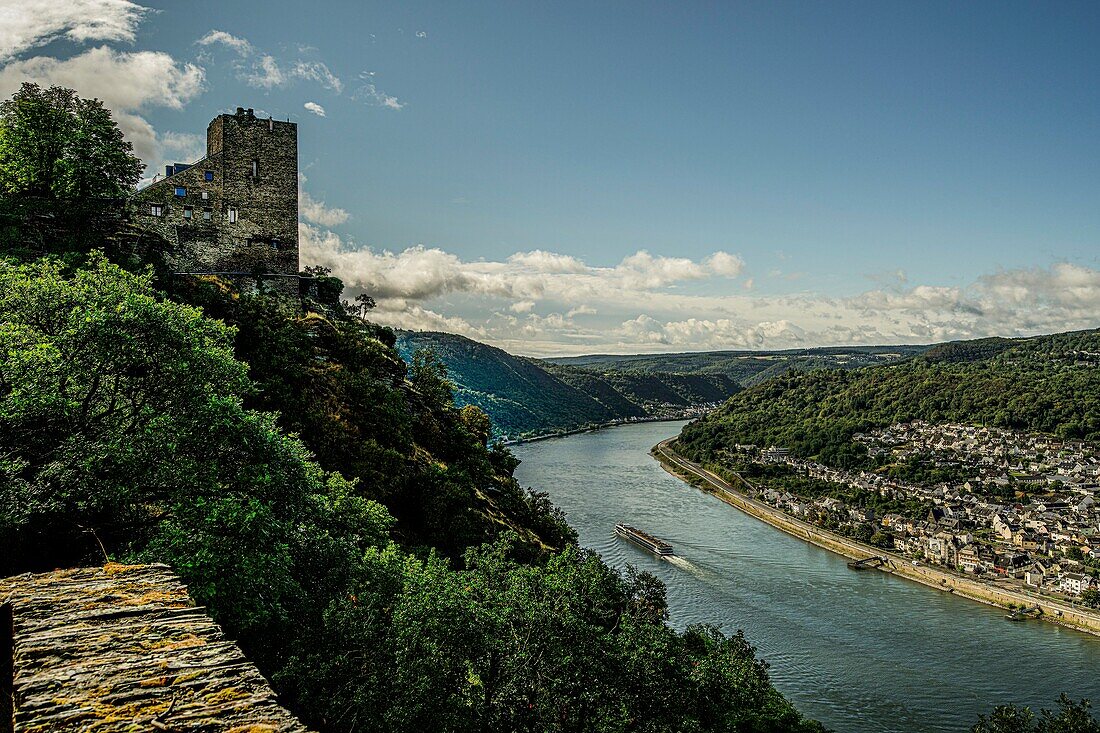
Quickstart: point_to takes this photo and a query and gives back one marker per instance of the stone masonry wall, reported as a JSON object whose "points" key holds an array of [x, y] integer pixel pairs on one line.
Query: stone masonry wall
{"points": [[244, 219]]}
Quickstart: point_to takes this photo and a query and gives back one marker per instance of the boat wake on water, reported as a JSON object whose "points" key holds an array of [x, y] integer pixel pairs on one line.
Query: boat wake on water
{"points": [[684, 564], [658, 547]]}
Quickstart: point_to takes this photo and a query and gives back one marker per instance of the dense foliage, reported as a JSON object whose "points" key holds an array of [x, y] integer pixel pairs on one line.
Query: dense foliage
{"points": [[337, 383], [125, 431], [54, 143], [743, 367], [1044, 384], [65, 171], [646, 389], [1071, 717]]}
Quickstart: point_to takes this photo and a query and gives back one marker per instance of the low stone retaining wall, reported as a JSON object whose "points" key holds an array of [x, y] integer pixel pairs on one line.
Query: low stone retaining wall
{"points": [[1052, 609]]}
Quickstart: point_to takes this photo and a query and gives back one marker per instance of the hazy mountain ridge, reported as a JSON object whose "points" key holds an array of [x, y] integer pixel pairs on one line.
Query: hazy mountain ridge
{"points": [[527, 396], [746, 367]]}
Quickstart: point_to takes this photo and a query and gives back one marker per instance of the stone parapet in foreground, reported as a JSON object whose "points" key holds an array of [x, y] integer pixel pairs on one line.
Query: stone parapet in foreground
{"points": [[124, 648]]}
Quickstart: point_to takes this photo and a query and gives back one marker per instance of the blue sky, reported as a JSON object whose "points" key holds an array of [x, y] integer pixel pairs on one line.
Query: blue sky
{"points": [[866, 172]]}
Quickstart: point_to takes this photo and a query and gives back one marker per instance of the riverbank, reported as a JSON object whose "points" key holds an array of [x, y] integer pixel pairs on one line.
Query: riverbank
{"points": [[686, 415], [1051, 609]]}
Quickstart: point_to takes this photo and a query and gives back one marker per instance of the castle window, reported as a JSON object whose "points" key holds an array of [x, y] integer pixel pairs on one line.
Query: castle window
{"points": [[208, 175], [255, 168], [207, 214], [181, 191], [232, 216], [188, 212], [156, 210], [205, 195]]}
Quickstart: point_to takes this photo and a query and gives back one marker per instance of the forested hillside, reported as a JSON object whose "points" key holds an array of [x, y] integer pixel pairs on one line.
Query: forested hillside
{"points": [[329, 505], [525, 396], [1048, 384], [744, 367], [528, 396]]}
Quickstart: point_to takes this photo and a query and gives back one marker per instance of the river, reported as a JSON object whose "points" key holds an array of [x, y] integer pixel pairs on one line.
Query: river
{"points": [[860, 651]]}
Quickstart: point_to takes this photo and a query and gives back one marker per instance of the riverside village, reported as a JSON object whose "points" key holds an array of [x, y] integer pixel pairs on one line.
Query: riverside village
{"points": [[1013, 508]]}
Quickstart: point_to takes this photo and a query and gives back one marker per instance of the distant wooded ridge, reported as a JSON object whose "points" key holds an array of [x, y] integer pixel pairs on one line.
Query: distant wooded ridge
{"points": [[526, 396], [1045, 384]]}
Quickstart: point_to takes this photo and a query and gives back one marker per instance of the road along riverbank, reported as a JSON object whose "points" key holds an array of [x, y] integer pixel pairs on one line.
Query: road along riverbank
{"points": [[686, 414], [1050, 609]]}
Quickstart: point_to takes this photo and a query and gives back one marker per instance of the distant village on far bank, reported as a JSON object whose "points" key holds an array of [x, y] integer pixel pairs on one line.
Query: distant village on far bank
{"points": [[1023, 511]]}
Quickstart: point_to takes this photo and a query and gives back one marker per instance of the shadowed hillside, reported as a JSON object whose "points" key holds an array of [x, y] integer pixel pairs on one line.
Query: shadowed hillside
{"points": [[528, 396]]}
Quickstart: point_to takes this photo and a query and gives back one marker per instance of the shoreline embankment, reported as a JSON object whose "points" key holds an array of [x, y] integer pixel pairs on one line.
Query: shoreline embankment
{"points": [[600, 426], [1050, 609]]}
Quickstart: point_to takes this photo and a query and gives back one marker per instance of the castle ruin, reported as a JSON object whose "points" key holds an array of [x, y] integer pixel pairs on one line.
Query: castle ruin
{"points": [[234, 213]]}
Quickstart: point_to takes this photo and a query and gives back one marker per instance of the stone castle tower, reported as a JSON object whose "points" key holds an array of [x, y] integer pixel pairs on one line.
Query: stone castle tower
{"points": [[235, 212]]}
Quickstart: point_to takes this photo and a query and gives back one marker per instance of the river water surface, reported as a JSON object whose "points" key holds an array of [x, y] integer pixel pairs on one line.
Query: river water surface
{"points": [[859, 651]]}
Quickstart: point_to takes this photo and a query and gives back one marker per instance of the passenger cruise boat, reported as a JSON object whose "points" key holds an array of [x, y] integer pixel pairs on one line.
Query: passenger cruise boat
{"points": [[643, 540]]}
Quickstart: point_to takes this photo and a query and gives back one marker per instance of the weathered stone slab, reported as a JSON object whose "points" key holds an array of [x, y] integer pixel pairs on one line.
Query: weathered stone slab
{"points": [[123, 648]]}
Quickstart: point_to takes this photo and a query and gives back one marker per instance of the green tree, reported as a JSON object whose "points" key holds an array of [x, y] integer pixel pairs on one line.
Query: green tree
{"points": [[566, 646], [1071, 717], [55, 144], [428, 374], [123, 431], [66, 173]]}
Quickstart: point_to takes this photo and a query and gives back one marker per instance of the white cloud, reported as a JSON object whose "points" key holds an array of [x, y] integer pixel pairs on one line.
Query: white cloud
{"points": [[417, 318], [542, 261], [129, 83], [724, 264], [421, 273], [265, 73], [642, 269], [184, 147], [238, 44], [637, 305], [705, 333], [314, 108], [26, 24], [316, 212], [379, 98], [371, 94], [318, 72]]}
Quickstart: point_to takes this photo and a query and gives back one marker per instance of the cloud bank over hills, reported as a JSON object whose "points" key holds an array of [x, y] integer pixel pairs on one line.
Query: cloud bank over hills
{"points": [[544, 303]]}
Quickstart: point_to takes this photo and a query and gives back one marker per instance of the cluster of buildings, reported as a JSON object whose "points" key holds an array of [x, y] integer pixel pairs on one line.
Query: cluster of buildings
{"points": [[1027, 510]]}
